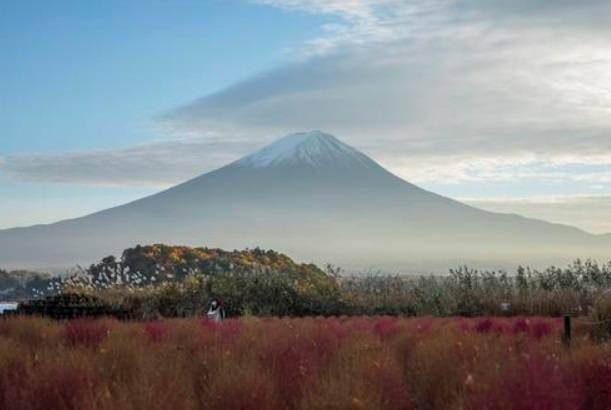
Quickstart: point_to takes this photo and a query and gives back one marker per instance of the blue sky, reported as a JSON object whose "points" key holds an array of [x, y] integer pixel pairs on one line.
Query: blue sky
{"points": [[86, 75], [90, 75], [504, 106]]}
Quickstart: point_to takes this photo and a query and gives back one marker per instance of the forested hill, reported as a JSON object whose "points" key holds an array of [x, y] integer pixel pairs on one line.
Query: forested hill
{"points": [[154, 263]]}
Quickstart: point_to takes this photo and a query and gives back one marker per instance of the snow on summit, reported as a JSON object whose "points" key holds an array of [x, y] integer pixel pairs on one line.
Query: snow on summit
{"points": [[314, 149]]}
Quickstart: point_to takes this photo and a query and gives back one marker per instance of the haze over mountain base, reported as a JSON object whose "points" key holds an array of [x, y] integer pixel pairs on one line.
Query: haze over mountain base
{"points": [[316, 199]]}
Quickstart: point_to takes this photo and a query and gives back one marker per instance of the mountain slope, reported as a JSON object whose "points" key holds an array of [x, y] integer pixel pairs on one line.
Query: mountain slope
{"points": [[315, 198]]}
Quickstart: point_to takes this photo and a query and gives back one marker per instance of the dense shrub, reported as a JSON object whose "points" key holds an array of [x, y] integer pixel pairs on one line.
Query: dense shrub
{"points": [[161, 281], [468, 292], [154, 281]]}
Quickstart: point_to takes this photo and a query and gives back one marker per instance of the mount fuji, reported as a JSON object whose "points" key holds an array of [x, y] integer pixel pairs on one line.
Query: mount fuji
{"points": [[317, 199]]}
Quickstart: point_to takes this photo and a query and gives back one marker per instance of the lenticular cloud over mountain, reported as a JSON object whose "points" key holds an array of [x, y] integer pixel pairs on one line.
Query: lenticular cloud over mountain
{"points": [[314, 197]]}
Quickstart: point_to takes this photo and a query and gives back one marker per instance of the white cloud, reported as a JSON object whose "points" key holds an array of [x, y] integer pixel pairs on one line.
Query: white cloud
{"points": [[459, 78], [154, 165]]}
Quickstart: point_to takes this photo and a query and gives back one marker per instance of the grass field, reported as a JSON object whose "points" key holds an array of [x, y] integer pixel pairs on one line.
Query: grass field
{"points": [[310, 363]]}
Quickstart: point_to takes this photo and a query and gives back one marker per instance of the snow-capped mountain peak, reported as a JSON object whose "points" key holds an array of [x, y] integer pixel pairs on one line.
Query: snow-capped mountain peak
{"points": [[313, 148]]}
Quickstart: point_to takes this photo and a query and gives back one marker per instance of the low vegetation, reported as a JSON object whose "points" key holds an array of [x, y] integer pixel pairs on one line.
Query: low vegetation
{"points": [[150, 282], [303, 338], [308, 363], [555, 291]]}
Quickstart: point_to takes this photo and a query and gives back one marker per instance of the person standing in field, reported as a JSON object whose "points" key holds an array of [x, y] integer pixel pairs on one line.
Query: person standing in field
{"points": [[215, 313]]}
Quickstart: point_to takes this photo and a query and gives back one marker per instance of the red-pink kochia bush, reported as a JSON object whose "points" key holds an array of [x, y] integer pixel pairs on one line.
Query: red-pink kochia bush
{"points": [[387, 327], [540, 329], [424, 325], [362, 375], [536, 328], [4, 328], [296, 356], [241, 386], [230, 330], [521, 326], [484, 326], [596, 386], [155, 331], [357, 325], [225, 332], [87, 333], [297, 364], [329, 331], [48, 388], [392, 385], [536, 381], [209, 325], [491, 325]]}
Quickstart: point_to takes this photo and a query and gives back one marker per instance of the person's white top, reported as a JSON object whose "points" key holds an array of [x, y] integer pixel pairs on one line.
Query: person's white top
{"points": [[215, 315]]}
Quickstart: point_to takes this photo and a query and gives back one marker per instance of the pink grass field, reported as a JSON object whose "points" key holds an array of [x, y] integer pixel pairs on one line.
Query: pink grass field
{"points": [[310, 363]]}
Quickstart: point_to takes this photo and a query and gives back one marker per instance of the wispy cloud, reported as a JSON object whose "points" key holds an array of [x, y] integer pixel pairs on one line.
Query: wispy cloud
{"points": [[154, 165], [444, 83]]}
